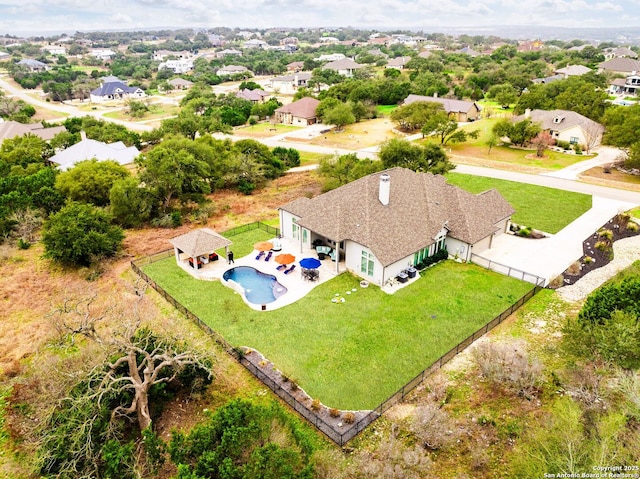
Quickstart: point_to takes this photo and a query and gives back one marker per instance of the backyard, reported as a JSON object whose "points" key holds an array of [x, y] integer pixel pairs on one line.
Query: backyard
{"points": [[350, 355]]}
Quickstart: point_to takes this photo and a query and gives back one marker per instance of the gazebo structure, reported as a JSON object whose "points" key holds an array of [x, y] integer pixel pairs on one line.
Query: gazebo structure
{"points": [[198, 247]]}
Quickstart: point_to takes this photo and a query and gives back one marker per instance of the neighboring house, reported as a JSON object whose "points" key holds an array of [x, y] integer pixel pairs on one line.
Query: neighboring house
{"points": [[161, 55], [620, 52], [459, 110], [572, 70], [425, 54], [11, 129], [567, 126], [255, 43], [289, 84], [344, 67], [232, 70], [623, 66], [179, 66], [295, 67], [548, 79], [254, 96], [228, 52], [4, 56], [114, 89], [301, 112], [33, 65], [625, 86], [104, 54], [330, 57], [54, 50], [384, 222], [180, 84], [469, 51], [93, 149], [292, 41], [398, 63]]}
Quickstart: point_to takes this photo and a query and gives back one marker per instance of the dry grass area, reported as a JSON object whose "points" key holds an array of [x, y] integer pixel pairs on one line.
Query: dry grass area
{"points": [[359, 135], [614, 179], [264, 130]]}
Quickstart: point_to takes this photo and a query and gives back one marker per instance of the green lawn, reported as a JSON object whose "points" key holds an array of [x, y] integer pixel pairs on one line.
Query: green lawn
{"points": [[311, 158], [539, 207], [352, 355], [478, 150], [385, 110]]}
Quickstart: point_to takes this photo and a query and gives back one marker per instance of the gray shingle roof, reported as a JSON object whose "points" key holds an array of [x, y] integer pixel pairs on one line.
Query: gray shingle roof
{"points": [[450, 105], [420, 205], [561, 120], [113, 88], [198, 242], [344, 64], [621, 65]]}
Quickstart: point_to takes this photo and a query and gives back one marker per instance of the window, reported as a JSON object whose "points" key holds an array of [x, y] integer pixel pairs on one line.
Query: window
{"points": [[305, 235], [366, 263], [574, 140], [294, 228]]}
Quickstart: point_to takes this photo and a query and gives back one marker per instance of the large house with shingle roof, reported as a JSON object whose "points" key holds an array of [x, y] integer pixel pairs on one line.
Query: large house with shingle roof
{"points": [[566, 125], [114, 89], [301, 112], [345, 67], [384, 222], [458, 110], [621, 65]]}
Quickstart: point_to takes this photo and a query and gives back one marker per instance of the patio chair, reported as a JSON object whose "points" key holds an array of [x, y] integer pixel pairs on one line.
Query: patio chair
{"points": [[268, 257], [281, 267], [260, 255], [293, 266]]}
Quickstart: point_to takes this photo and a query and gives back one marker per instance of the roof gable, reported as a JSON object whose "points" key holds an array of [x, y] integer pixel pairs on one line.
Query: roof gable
{"points": [[303, 108], [199, 242], [420, 205]]}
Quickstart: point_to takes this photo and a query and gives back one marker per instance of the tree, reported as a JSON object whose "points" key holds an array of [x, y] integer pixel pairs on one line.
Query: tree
{"points": [[170, 171], [622, 125], [129, 203], [542, 141], [85, 434], [80, 234], [345, 169], [505, 94], [429, 158], [415, 115], [340, 115], [518, 133], [446, 130], [90, 181]]}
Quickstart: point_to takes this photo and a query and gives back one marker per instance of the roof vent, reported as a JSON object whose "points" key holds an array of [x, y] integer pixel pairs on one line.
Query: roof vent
{"points": [[384, 190]]}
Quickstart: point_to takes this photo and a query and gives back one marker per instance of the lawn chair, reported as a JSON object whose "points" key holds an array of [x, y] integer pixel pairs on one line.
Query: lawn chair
{"points": [[268, 257], [293, 266], [281, 267], [260, 255]]}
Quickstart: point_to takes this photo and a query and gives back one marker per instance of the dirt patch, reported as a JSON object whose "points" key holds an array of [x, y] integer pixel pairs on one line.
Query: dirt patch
{"points": [[614, 179], [359, 135]]}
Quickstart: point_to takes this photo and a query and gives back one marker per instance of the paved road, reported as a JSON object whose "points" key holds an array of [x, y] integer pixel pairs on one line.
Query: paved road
{"points": [[546, 258]]}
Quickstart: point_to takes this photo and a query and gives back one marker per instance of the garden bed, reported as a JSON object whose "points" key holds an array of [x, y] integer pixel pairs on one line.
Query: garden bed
{"points": [[597, 249]]}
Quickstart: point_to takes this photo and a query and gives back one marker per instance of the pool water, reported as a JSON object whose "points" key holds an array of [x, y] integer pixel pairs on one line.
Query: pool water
{"points": [[259, 288]]}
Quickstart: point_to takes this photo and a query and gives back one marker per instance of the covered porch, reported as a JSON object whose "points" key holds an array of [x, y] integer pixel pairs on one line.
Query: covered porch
{"points": [[197, 248]]}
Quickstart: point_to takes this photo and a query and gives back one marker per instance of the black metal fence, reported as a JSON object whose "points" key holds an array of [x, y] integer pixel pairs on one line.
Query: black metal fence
{"points": [[347, 432], [507, 270]]}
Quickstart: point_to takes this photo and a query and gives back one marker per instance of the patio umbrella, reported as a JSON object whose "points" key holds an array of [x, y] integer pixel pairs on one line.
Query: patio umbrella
{"points": [[285, 258], [310, 263], [263, 245]]}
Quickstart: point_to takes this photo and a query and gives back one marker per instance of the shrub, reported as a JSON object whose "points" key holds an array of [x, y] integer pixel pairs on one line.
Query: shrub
{"points": [[632, 226], [22, 244], [293, 385], [565, 145], [509, 365], [588, 260], [349, 418], [601, 245], [603, 302], [333, 412], [315, 405], [574, 268], [525, 232], [556, 282], [578, 149], [434, 427], [605, 234]]}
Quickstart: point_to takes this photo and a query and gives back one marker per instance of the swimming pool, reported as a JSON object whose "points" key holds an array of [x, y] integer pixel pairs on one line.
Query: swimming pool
{"points": [[258, 287]]}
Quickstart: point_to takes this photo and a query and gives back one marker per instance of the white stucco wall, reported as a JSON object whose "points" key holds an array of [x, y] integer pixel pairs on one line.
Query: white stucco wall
{"points": [[462, 249]]}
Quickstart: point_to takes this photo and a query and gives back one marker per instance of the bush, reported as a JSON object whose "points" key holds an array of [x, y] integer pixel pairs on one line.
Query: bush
{"points": [[315, 405], [632, 226], [578, 149], [509, 365], [431, 260], [434, 427], [565, 145], [622, 296], [349, 418], [333, 412], [588, 260]]}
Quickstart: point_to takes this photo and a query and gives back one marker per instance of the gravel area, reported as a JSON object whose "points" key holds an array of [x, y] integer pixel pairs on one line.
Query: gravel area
{"points": [[626, 251]]}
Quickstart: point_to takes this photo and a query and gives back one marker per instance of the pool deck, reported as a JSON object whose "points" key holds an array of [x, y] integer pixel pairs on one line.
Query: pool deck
{"points": [[297, 286]]}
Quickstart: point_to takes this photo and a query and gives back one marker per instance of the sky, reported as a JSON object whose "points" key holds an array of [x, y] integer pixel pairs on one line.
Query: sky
{"points": [[35, 16]]}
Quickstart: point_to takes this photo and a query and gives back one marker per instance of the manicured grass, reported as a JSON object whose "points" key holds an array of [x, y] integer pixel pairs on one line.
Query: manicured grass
{"points": [[478, 150], [352, 355], [539, 207], [385, 110]]}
